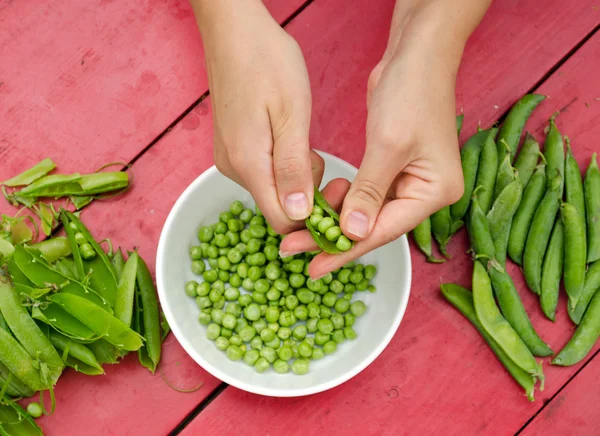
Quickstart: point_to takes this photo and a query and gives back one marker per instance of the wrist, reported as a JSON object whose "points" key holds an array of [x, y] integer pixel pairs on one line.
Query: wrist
{"points": [[216, 17]]}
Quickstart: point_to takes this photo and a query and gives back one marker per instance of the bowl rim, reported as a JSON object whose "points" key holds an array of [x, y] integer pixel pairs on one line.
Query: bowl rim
{"points": [[248, 387]]}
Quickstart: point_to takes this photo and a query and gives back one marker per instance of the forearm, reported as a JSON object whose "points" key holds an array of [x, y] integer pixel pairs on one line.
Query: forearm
{"points": [[441, 25]]}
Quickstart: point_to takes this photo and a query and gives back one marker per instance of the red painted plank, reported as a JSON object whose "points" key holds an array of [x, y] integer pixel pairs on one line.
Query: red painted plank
{"points": [[92, 82], [574, 411]]}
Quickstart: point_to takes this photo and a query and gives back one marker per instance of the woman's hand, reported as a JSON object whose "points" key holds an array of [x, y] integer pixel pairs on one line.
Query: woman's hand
{"points": [[411, 166], [261, 103]]}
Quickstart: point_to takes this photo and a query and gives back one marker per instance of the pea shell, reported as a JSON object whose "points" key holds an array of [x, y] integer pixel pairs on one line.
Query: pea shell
{"points": [[592, 206], [527, 159], [575, 252], [105, 352], [479, 232], [486, 173], [16, 388], [496, 325], [554, 152], [19, 362], [53, 185], [60, 320], [462, 299], [126, 290], [78, 353], [422, 237], [552, 271], [592, 284], [53, 249], [32, 174], [101, 322], [441, 226], [15, 421]]}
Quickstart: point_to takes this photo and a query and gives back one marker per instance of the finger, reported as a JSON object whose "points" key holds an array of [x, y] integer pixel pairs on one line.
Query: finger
{"points": [[368, 191], [292, 164], [395, 219], [302, 241], [318, 167]]}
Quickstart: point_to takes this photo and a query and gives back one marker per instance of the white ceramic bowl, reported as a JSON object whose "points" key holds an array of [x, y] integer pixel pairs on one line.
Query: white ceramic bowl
{"points": [[200, 204]]}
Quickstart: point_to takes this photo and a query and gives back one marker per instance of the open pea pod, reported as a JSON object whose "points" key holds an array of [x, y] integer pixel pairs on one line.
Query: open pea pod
{"points": [[102, 276], [324, 244], [32, 174], [38, 272], [63, 322], [66, 185]]}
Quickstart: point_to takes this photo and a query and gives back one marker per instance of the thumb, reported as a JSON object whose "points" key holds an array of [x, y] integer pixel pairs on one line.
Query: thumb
{"points": [[368, 192], [292, 166]]}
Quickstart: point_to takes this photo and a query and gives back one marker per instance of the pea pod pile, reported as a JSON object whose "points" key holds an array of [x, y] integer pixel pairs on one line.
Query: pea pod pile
{"points": [[535, 208], [264, 309], [66, 302]]}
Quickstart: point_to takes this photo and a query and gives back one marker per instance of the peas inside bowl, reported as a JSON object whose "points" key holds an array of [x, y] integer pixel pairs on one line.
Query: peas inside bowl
{"points": [[328, 348]]}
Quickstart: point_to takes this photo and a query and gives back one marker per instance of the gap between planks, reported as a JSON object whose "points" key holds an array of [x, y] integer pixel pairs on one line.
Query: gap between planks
{"points": [[221, 387]]}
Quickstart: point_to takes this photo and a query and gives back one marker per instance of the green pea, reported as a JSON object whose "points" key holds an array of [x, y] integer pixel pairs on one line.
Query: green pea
{"points": [[338, 336], [342, 306], [251, 356], [300, 366], [228, 321], [205, 234], [285, 353], [275, 343], [203, 302], [305, 296], [349, 333], [233, 238], [204, 249], [358, 308], [291, 302], [333, 233], [322, 338], [253, 246], [281, 284], [235, 310], [317, 354], [213, 252], [234, 352], [234, 256], [245, 236], [297, 280], [252, 312], [254, 273], [217, 316], [329, 299], [344, 275], [256, 343], [325, 224], [281, 367], [222, 343], [343, 243], [325, 326], [336, 286], [314, 285], [330, 347], [204, 318], [247, 333], [337, 320], [269, 354], [190, 288], [296, 266], [305, 349], [220, 228], [272, 241], [299, 332], [284, 333], [273, 294], [210, 276], [226, 333], [311, 325], [213, 331], [301, 313], [257, 259], [195, 252], [259, 325], [236, 340], [315, 219], [272, 272], [267, 335], [219, 304], [261, 365], [324, 312], [224, 276], [287, 319]]}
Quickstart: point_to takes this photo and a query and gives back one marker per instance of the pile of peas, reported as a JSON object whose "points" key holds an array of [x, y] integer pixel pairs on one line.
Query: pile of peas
{"points": [[263, 309]]}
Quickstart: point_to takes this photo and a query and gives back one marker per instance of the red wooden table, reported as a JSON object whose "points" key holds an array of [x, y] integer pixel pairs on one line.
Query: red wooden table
{"points": [[98, 81]]}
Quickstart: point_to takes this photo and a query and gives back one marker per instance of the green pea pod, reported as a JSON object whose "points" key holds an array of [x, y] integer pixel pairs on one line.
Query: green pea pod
{"points": [[17, 275], [554, 152], [462, 299], [486, 172], [138, 326], [479, 232], [101, 322], [42, 275], [126, 290], [534, 192], [25, 330], [118, 263], [469, 156], [150, 318], [575, 252], [592, 284], [584, 338], [15, 421], [19, 362], [54, 248], [441, 226], [60, 320], [506, 175], [422, 237], [513, 310], [66, 266], [552, 271], [100, 183], [324, 244], [105, 352], [498, 328], [459, 123], [501, 216], [6, 249], [3, 324], [527, 160], [592, 207], [515, 122], [54, 185], [79, 357], [80, 201], [16, 388], [574, 182], [539, 235], [102, 275], [32, 174]]}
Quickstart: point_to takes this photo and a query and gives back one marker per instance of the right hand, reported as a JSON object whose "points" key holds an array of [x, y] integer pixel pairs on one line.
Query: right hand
{"points": [[261, 104]]}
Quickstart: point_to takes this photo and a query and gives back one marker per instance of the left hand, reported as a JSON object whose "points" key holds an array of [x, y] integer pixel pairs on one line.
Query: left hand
{"points": [[411, 166]]}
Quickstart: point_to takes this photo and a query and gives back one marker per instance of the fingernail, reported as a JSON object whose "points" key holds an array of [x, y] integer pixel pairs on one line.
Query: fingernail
{"points": [[357, 224], [284, 254], [296, 206]]}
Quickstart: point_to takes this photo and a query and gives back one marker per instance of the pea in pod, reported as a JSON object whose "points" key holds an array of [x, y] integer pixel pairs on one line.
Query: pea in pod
{"points": [[575, 252], [422, 237], [487, 171], [98, 320], [102, 275], [527, 160], [501, 216], [534, 192], [592, 207], [78, 356], [149, 322], [498, 328], [335, 243], [442, 228], [462, 299], [479, 232], [513, 310], [26, 330], [539, 235], [584, 338], [554, 152], [126, 290], [592, 284], [469, 156], [506, 175], [514, 123], [573, 182], [552, 271]]}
